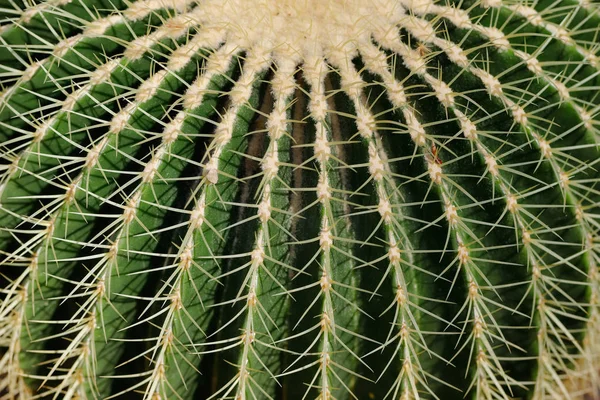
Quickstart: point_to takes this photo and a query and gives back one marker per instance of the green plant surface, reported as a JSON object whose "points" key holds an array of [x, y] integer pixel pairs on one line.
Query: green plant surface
{"points": [[277, 199]]}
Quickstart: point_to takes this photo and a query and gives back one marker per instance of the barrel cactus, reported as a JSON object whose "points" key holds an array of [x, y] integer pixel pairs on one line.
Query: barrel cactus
{"points": [[299, 199]]}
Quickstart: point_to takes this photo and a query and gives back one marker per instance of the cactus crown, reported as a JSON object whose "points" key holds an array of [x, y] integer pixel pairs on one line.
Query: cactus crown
{"points": [[277, 199]]}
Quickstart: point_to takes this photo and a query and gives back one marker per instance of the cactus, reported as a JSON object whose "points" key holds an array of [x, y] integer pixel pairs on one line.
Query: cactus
{"points": [[277, 199]]}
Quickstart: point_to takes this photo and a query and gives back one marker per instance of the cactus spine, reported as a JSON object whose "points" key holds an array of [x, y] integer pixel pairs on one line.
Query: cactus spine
{"points": [[277, 199]]}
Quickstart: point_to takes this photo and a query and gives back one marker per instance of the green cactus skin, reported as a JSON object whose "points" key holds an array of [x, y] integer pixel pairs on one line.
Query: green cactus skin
{"points": [[277, 199]]}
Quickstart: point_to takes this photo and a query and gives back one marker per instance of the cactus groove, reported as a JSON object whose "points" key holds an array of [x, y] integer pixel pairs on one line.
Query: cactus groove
{"points": [[299, 199]]}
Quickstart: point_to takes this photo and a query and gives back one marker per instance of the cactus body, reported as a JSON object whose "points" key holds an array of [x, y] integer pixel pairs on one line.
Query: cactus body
{"points": [[277, 199]]}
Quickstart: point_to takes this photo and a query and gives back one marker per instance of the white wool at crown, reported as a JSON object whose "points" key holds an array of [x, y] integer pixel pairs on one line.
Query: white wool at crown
{"points": [[299, 29]]}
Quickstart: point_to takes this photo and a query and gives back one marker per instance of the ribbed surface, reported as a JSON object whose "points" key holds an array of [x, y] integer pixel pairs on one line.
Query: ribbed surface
{"points": [[296, 200]]}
